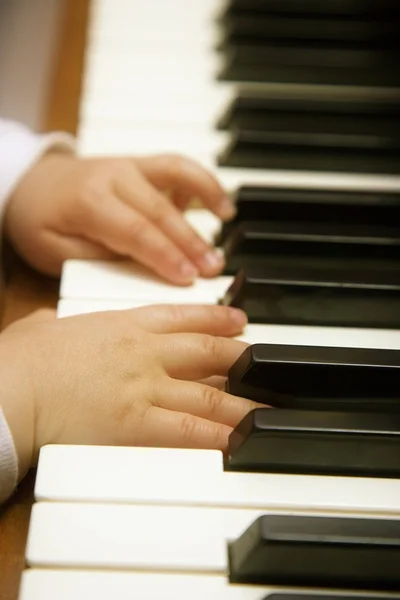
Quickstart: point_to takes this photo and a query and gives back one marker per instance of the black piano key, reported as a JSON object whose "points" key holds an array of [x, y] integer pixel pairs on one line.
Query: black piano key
{"points": [[272, 440], [311, 152], [255, 112], [311, 205], [313, 296], [327, 552], [328, 7], [318, 378], [319, 245], [254, 27], [302, 64], [291, 238]]}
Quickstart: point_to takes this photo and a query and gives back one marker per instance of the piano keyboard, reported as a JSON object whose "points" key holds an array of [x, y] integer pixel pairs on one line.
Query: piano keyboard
{"points": [[297, 136]]}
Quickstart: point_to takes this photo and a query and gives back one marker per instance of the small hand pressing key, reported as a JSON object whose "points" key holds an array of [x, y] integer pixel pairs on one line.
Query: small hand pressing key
{"points": [[67, 207], [137, 377]]}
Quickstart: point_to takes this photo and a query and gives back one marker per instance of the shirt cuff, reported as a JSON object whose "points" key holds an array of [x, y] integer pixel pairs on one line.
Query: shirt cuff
{"points": [[8, 461], [20, 149]]}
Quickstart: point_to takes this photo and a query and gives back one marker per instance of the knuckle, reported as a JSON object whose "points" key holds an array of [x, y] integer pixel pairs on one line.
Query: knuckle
{"points": [[177, 314], [211, 346], [91, 196], [188, 429], [211, 399], [159, 212], [137, 228], [96, 179]]}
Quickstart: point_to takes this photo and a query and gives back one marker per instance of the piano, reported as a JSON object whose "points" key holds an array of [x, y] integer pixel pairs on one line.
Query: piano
{"points": [[295, 106]]}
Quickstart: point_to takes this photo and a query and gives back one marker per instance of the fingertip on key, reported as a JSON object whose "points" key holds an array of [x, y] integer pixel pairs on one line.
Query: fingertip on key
{"points": [[214, 260], [238, 316], [188, 272]]}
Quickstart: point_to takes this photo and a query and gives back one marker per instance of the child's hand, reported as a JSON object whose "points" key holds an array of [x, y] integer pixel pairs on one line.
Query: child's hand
{"points": [[67, 207], [121, 378]]}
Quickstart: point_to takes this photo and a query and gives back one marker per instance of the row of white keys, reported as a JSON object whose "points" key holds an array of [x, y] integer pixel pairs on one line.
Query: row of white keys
{"points": [[53, 584], [152, 54], [189, 477], [141, 538], [93, 286]]}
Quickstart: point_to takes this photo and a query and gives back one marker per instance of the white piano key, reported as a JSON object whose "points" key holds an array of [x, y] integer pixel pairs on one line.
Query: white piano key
{"points": [[140, 538], [152, 62], [187, 140], [204, 222], [165, 476], [153, 68], [232, 178], [106, 280], [340, 337], [172, 538], [123, 91], [158, 15], [43, 584], [176, 108]]}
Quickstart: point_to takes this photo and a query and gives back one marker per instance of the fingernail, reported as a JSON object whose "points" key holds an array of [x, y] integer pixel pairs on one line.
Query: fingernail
{"points": [[188, 271], [227, 210], [238, 316], [214, 259]]}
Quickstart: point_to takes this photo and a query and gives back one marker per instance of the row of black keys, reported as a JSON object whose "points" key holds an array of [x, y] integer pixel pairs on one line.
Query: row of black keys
{"points": [[335, 411], [295, 42], [325, 552], [307, 257], [320, 134]]}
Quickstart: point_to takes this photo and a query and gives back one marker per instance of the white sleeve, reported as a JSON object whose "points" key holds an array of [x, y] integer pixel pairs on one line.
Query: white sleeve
{"points": [[8, 461], [20, 148]]}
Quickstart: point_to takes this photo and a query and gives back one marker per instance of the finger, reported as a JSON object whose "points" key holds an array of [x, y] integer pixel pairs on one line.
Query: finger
{"points": [[205, 401], [132, 187], [171, 429], [68, 247], [129, 233], [169, 318], [189, 177], [196, 356], [217, 382]]}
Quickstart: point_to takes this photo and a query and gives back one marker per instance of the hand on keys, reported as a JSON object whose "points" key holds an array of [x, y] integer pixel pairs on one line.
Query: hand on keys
{"points": [[66, 207], [136, 377]]}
